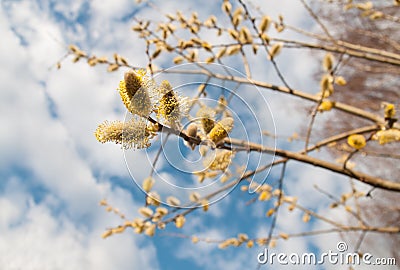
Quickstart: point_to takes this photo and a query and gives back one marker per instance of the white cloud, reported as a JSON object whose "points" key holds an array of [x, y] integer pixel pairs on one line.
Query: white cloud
{"points": [[35, 238]]}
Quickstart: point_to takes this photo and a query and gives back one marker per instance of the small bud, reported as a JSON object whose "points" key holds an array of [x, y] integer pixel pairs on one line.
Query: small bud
{"points": [[284, 236], [194, 197], [106, 234], [327, 63], [306, 217], [242, 237], [264, 196], [148, 184], [192, 130], [221, 52], [233, 50], [265, 21], [195, 239], [340, 81], [150, 231], [250, 244], [73, 48], [390, 110], [145, 211], [173, 201], [226, 6], [275, 49], [205, 205], [325, 105], [180, 221], [162, 211], [270, 212], [112, 67]]}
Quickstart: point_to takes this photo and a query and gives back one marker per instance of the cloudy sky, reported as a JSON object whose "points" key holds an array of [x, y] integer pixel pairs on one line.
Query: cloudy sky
{"points": [[53, 172]]}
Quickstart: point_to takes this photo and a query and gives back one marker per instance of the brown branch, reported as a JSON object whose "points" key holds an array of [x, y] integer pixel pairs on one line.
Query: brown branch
{"points": [[303, 95], [363, 177]]}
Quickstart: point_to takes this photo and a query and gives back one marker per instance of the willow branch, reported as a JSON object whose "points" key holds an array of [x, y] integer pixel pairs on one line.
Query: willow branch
{"points": [[363, 177]]}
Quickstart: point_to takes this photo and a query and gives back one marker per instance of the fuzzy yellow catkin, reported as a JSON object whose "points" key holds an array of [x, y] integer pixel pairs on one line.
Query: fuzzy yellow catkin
{"points": [[232, 50], [339, 80], [270, 212], [376, 15], [326, 85], [327, 63], [233, 33], [242, 237], [103, 202], [221, 129], [153, 198], [209, 60], [112, 67], [194, 197], [326, 105], [264, 196], [168, 104], [173, 201], [180, 221], [226, 6], [387, 136], [255, 48], [264, 24], [205, 205], [119, 229], [306, 217], [195, 239], [236, 19], [145, 211], [390, 110], [131, 134], [73, 48], [162, 211], [147, 184], [275, 49], [207, 46], [109, 131], [284, 236], [106, 234], [206, 116], [150, 230], [266, 38], [219, 162], [171, 106], [250, 244], [134, 92], [220, 53], [245, 36], [365, 6], [357, 141]]}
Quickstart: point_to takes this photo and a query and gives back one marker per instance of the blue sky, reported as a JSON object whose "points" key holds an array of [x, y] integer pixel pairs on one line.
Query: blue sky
{"points": [[53, 172]]}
